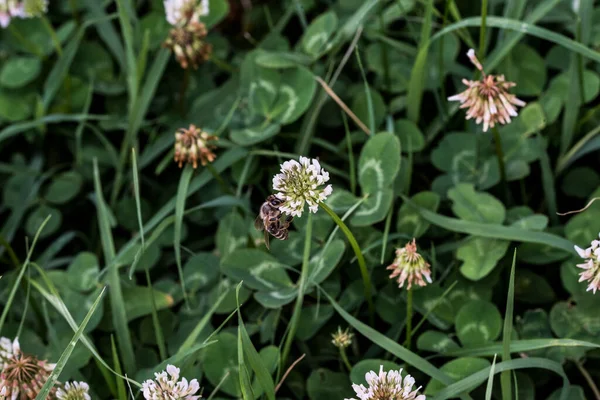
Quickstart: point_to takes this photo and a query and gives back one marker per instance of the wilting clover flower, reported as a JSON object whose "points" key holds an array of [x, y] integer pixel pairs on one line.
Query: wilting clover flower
{"points": [[388, 386], [409, 266], [488, 99], [23, 375], [591, 265], [167, 386], [73, 391], [299, 183], [193, 144], [342, 339]]}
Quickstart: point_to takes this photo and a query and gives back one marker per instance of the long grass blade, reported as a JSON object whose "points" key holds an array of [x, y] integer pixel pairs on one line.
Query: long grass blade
{"points": [[517, 346], [120, 382], [182, 189], [64, 357], [505, 382], [114, 280], [490, 384]]}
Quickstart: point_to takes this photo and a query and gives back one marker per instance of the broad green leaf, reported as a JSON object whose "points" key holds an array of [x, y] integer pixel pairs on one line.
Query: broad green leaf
{"points": [[37, 217], [254, 134], [526, 67], [480, 255], [470, 205], [322, 264], [282, 59], [312, 319], [19, 71], [478, 322], [231, 234], [138, 301], [373, 209], [410, 221], [361, 368], [435, 341], [360, 106], [457, 369], [317, 37], [258, 270], [379, 162], [83, 272], [411, 137], [200, 271], [219, 360], [64, 187], [323, 384], [294, 95]]}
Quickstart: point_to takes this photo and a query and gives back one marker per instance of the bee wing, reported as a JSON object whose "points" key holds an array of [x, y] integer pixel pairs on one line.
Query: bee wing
{"points": [[259, 224], [267, 240]]}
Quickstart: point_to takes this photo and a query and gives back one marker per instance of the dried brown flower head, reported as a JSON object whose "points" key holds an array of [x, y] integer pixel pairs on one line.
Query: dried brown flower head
{"points": [[188, 44], [488, 99], [409, 266], [193, 144], [23, 375]]}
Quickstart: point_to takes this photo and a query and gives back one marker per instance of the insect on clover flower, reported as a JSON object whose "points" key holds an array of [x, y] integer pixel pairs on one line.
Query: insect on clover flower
{"points": [[299, 183], [488, 99], [409, 266], [591, 265], [73, 391], [342, 338], [167, 386], [387, 385], [192, 144], [23, 375]]}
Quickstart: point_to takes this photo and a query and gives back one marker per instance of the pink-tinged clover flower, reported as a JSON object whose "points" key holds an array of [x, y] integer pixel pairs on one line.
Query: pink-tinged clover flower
{"points": [[487, 100], [387, 385], [409, 266], [167, 386], [591, 266]]}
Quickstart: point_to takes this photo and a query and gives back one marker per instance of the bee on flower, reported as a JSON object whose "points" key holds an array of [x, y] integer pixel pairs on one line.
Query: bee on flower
{"points": [[186, 38], [487, 100], [409, 266], [168, 386], [299, 183], [194, 144], [387, 385], [591, 266]]}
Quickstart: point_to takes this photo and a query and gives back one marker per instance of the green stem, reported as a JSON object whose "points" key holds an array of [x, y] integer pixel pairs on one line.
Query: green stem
{"points": [[500, 156], [219, 179], [484, 10], [53, 36], [345, 358], [74, 11], [224, 65], [409, 309], [184, 86], [300, 299], [359, 256]]}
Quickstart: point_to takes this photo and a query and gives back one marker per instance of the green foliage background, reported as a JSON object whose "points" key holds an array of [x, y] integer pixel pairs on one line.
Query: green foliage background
{"points": [[143, 264]]}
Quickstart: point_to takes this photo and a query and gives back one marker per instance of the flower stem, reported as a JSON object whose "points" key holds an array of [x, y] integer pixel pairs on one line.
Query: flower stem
{"points": [[345, 358], [300, 299], [409, 309], [219, 178], [588, 379], [500, 156], [359, 256], [184, 86], [484, 10], [53, 36]]}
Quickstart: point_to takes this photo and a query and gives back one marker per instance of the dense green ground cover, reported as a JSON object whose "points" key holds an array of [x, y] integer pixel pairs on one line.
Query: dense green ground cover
{"points": [[116, 262]]}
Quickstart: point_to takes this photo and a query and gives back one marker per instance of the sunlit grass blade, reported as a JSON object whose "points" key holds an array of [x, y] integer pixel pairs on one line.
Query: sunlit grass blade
{"points": [[490, 384], [13, 290], [261, 372], [493, 230], [64, 357], [417, 74], [471, 382], [517, 346], [505, 381], [114, 279], [184, 183]]}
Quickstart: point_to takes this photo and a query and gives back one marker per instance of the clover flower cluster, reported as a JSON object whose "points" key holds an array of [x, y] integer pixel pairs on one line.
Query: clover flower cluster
{"points": [[342, 338], [409, 266], [10, 9], [488, 99], [168, 386], [299, 183], [74, 391], [387, 385], [194, 144], [186, 38], [591, 266]]}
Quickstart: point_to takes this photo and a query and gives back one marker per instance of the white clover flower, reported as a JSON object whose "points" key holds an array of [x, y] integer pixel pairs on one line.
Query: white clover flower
{"points": [[488, 99], [180, 12], [299, 183], [34, 8], [8, 349], [2, 393], [409, 266], [164, 387], [591, 265], [388, 386], [10, 9], [74, 391]]}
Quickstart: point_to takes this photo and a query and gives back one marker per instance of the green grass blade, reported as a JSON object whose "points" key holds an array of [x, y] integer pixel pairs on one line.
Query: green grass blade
{"points": [[64, 357], [261, 372], [490, 384], [107, 32], [127, 32], [243, 373], [158, 333], [13, 290], [120, 382], [351, 162], [517, 346], [114, 280], [471, 382], [182, 189], [136, 193], [417, 74], [364, 272], [60, 69], [547, 180], [505, 382], [493, 230], [370, 109]]}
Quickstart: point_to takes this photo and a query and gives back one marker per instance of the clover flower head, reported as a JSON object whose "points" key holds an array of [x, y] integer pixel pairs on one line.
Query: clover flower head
{"points": [[591, 266], [387, 386], [167, 386], [23, 375], [488, 99], [342, 339], [8, 349], [182, 12], [73, 391], [3, 393], [409, 266], [10, 9], [188, 43], [34, 8], [192, 144], [299, 183]]}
